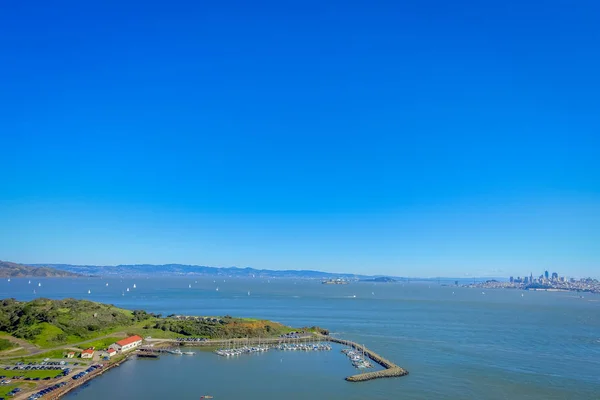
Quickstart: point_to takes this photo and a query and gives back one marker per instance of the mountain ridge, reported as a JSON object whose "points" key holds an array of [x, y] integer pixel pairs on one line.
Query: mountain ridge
{"points": [[193, 270], [15, 270]]}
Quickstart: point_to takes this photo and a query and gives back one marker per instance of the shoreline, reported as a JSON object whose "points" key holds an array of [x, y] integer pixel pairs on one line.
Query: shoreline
{"points": [[390, 369]]}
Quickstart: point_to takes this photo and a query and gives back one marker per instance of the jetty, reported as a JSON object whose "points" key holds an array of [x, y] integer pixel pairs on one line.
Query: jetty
{"points": [[391, 370]]}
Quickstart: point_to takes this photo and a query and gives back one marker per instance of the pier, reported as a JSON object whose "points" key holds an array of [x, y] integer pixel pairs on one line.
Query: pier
{"points": [[391, 370]]}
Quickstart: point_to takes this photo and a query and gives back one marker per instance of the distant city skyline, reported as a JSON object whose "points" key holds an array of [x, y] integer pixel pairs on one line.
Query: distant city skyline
{"points": [[401, 139]]}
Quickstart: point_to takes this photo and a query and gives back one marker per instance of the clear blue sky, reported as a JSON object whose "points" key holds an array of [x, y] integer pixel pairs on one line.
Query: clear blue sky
{"points": [[419, 138]]}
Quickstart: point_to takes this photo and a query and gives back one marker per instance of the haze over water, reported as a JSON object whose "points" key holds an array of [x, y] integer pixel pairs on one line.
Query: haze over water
{"points": [[457, 343]]}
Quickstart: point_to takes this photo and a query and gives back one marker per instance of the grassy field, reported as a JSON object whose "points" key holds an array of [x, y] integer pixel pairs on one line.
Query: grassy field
{"points": [[54, 354], [29, 374], [6, 344], [100, 344], [4, 389]]}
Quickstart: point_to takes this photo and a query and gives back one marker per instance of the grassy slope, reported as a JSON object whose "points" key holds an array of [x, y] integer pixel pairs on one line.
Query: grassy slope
{"points": [[53, 324]]}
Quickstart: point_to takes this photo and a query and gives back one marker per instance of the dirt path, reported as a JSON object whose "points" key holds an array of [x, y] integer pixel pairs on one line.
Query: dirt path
{"points": [[23, 344]]}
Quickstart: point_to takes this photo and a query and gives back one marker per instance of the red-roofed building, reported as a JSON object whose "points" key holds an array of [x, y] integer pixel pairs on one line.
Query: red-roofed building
{"points": [[128, 343], [89, 353], [111, 352]]}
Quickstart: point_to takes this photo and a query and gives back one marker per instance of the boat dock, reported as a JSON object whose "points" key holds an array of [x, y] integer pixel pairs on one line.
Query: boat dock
{"points": [[391, 370]]}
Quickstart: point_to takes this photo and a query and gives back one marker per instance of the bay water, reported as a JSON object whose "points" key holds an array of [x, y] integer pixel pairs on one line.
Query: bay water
{"points": [[457, 343]]}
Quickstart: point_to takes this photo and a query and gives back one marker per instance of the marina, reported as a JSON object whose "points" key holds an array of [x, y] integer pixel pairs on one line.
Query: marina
{"points": [[359, 355]]}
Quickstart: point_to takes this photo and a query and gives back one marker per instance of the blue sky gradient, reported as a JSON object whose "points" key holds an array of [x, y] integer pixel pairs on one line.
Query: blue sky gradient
{"points": [[406, 138]]}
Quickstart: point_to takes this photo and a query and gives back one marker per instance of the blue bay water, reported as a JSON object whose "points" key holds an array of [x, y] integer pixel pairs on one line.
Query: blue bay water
{"points": [[457, 343]]}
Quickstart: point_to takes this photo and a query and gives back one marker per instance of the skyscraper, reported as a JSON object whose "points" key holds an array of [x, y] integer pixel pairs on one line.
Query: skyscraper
{"points": [[546, 275]]}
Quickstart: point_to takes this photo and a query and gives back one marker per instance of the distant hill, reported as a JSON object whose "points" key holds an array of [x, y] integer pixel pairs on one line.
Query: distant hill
{"points": [[383, 279], [197, 270], [14, 270]]}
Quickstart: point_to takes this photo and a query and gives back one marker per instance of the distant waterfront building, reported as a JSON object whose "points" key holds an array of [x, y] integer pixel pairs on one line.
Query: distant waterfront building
{"points": [[546, 274], [127, 344], [554, 276], [526, 280], [111, 352], [512, 280]]}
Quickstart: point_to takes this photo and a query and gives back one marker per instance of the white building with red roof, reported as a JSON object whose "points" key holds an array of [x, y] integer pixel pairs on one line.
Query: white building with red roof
{"points": [[111, 352], [88, 353], [127, 344]]}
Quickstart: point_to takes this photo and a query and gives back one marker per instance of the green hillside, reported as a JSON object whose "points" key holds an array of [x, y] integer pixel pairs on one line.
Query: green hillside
{"points": [[48, 323], [54, 323]]}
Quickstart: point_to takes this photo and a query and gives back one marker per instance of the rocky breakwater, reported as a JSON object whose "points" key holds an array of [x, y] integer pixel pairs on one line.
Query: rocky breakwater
{"points": [[391, 370]]}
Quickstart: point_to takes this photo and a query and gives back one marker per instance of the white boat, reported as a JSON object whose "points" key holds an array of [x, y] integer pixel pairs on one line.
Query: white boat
{"points": [[128, 289], [9, 279], [106, 283], [217, 289], [29, 283], [134, 286], [248, 293], [188, 353], [39, 284], [89, 292], [190, 286]]}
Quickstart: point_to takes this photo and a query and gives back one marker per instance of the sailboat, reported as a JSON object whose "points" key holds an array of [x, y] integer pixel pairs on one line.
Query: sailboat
{"points": [[106, 283], [122, 293], [248, 293], [217, 288], [190, 286], [29, 283], [33, 291], [128, 289], [39, 284], [134, 286], [9, 279], [89, 291]]}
